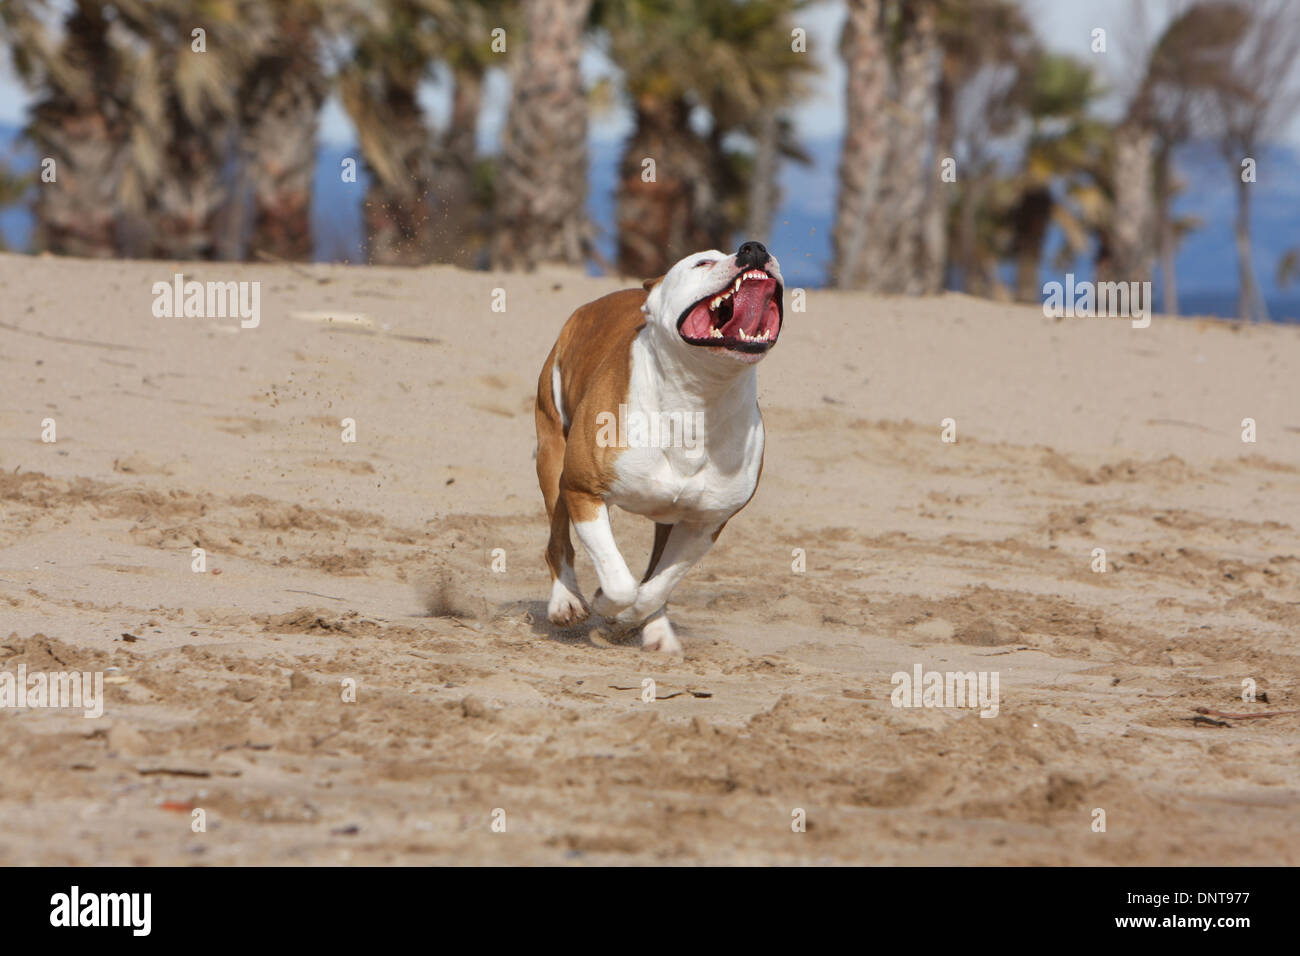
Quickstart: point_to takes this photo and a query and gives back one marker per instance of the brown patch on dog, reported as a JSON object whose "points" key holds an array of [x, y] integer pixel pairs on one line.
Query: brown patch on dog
{"points": [[594, 353]]}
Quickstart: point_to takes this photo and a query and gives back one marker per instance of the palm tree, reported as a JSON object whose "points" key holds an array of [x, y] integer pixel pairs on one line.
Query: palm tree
{"points": [[1063, 177], [1191, 58], [1132, 229], [425, 202], [910, 171], [721, 63], [281, 93], [379, 87], [1187, 61], [1060, 178], [862, 45], [462, 202], [458, 203], [543, 169], [892, 51], [184, 112], [78, 120], [1259, 97], [977, 38]]}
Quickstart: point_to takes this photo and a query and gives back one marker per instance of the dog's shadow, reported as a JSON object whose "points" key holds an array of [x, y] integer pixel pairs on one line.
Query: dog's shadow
{"points": [[595, 630]]}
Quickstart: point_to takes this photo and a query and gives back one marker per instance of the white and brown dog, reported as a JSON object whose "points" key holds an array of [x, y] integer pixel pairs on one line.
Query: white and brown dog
{"points": [[649, 401]]}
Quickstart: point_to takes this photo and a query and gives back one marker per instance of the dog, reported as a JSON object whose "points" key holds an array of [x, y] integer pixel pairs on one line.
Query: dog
{"points": [[679, 355]]}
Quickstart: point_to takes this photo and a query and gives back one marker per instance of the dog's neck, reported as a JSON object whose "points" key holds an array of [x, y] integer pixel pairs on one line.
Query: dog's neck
{"points": [[700, 379]]}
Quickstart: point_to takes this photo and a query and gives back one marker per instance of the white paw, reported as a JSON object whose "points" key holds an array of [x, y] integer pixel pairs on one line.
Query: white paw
{"points": [[611, 605], [658, 635], [639, 610], [565, 608]]}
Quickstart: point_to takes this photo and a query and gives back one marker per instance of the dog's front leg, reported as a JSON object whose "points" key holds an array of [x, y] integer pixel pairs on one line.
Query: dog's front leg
{"points": [[687, 544], [617, 585]]}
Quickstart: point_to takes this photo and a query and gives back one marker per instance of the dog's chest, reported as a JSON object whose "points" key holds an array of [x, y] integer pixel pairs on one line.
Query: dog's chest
{"points": [[664, 486], [684, 460]]}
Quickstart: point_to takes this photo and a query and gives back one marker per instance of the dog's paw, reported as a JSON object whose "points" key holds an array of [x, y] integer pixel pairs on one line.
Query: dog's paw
{"points": [[611, 606], [658, 635], [639, 611], [565, 608], [628, 617]]}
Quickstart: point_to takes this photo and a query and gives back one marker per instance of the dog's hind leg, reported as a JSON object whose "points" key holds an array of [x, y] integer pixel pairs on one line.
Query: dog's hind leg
{"points": [[662, 531], [566, 606], [658, 635]]}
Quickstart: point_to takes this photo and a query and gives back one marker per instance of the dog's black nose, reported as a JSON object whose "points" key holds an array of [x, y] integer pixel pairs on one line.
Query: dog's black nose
{"points": [[751, 255]]}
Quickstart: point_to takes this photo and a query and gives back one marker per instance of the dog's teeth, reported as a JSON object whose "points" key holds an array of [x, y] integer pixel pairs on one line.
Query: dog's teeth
{"points": [[715, 333]]}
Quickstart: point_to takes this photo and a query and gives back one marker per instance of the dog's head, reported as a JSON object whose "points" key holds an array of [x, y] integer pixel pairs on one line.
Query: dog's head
{"points": [[712, 304]]}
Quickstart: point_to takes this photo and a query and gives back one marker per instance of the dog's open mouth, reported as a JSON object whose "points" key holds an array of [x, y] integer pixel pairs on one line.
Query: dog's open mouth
{"points": [[743, 317]]}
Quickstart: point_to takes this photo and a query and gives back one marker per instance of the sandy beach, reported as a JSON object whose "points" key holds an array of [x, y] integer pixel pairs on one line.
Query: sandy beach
{"points": [[329, 562]]}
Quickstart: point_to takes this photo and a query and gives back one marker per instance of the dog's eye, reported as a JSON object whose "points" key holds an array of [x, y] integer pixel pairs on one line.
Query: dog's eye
{"points": [[703, 262]]}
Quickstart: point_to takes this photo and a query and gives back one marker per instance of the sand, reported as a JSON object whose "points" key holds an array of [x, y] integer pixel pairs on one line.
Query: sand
{"points": [[371, 565]]}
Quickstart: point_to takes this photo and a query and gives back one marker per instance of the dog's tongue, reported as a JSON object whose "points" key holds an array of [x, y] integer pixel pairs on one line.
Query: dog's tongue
{"points": [[698, 322], [749, 305]]}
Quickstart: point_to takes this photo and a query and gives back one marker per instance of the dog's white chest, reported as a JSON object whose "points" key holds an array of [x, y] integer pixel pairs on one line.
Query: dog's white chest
{"points": [[684, 458]]}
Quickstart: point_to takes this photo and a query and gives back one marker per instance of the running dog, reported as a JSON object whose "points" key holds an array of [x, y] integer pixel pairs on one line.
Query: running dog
{"points": [[676, 356]]}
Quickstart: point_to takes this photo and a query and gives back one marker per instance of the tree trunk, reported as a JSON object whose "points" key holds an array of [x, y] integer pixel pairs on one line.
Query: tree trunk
{"points": [[1168, 269], [935, 233], [281, 104], [541, 214], [1168, 238], [763, 187], [397, 217], [908, 167], [676, 213], [1250, 305], [193, 191], [458, 227], [1133, 216], [969, 277], [865, 145], [78, 125], [1031, 222]]}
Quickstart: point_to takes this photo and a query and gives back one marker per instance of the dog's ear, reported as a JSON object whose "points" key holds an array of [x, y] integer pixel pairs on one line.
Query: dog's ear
{"points": [[649, 284]]}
